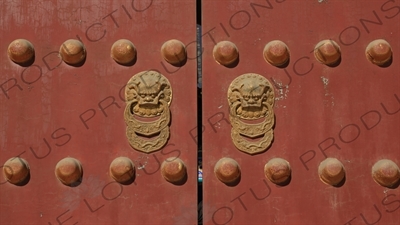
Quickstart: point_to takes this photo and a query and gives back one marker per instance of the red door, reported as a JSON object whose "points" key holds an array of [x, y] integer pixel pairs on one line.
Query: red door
{"points": [[301, 110], [97, 100]]}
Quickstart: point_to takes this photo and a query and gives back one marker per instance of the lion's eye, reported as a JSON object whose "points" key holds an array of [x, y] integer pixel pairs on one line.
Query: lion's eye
{"points": [[153, 95], [142, 95]]}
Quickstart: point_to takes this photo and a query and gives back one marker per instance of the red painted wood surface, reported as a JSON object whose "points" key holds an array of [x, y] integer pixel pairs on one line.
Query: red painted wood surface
{"points": [[44, 103], [349, 112]]}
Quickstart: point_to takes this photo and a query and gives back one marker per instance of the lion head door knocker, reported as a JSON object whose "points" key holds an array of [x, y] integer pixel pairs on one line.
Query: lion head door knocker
{"points": [[147, 114], [251, 100]]}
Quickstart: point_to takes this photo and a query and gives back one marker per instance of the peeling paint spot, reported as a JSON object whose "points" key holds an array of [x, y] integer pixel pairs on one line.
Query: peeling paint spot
{"points": [[329, 96], [282, 92], [142, 161], [142, 167], [325, 81]]}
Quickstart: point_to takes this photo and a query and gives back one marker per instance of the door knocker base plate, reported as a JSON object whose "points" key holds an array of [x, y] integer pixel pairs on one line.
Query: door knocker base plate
{"points": [[251, 99], [148, 95]]}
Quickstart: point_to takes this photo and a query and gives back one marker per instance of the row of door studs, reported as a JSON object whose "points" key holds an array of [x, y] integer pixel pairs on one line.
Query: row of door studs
{"points": [[226, 53], [331, 171]]}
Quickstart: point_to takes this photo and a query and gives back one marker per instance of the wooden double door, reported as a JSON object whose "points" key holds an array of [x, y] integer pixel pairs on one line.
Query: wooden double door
{"points": [[207, 112]]}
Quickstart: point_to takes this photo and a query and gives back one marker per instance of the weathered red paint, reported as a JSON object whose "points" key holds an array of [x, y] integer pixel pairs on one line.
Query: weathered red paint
{"points": [[50, 110], [349, 111]]}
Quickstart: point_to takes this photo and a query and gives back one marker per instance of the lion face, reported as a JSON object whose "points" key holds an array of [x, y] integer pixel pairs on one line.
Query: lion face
{"points": [[250, 95], [148, 92]]}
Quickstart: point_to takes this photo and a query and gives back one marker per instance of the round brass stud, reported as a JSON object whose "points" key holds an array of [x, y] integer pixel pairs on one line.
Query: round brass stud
{"points": [[73, 52], [16, 170], [385, 172], [227, 170], [226, 53], [123, 52], [21, 51], [278, 171], [173, 170], [122, 170], [327, 52], [331, 171], [174, 52], [379, 52], [69, 171], [276, 53]]}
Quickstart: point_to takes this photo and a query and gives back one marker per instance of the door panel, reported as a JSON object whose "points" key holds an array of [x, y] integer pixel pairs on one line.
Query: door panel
{"points": [[336, 114], [52, 111]]}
